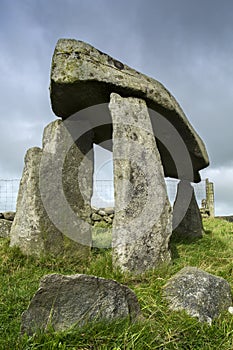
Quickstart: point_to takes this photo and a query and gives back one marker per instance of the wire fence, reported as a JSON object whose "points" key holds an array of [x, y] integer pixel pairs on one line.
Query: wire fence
{"points": [[103, 193], [8, 194]]}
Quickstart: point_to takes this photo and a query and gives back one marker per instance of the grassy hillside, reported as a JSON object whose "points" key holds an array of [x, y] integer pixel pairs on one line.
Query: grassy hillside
{"points": [[163, 329]]}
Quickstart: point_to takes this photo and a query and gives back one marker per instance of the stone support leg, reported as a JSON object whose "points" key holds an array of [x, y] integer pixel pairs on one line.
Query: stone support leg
{"points": [[53, 207], [187, 221], [143, 217]]}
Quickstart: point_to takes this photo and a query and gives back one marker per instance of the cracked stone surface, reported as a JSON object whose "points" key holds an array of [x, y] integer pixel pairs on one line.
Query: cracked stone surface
{"points": [[74, 300], [199, 293]]}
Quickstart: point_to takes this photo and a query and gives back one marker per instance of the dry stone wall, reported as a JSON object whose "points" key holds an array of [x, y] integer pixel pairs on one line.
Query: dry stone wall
{"points": [[102, 215]]}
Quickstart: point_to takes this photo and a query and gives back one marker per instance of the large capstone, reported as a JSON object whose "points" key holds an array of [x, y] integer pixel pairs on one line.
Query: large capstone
{"points": [[187, 220], [53, 205], [199, 293], [143, 217], [62, 302], [82, 76]]}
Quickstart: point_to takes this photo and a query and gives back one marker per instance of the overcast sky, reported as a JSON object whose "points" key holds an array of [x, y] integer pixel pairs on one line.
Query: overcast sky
{"points": [[187, 45]]}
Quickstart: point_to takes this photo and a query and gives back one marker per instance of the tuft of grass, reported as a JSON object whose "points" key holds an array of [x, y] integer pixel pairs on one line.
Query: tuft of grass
{"points": [[161, 329], [102, 235]]}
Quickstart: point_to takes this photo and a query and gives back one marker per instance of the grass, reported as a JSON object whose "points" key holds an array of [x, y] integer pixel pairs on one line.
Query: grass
{"points": [[102, 235], [161, 329]]}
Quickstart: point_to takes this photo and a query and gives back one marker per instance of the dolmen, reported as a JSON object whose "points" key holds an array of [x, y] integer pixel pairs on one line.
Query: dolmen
{"points": [[100, 100]]}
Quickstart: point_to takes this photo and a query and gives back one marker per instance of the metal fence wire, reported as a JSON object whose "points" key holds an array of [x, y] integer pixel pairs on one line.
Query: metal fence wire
{"points": [[8, 194], [103, 193]]}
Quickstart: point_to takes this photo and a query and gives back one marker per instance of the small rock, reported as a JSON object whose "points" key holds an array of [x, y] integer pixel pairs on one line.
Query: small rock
{"points": [[9, 215], [109, 211], [101, 212], [94, 209], [96, 217], [201, 294], [107, 219], [5, 228], [67, 301]]}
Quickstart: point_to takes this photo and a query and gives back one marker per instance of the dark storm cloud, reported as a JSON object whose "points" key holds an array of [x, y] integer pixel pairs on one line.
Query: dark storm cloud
{"points": [[187, 45]]}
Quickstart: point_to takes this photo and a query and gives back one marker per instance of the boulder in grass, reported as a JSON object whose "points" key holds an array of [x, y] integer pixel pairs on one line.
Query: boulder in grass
{"points": [[62, 302], [199, 293], [9, 215]]}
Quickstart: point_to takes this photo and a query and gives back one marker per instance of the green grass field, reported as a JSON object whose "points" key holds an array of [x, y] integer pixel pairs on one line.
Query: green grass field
{"points": [[161, 329]]}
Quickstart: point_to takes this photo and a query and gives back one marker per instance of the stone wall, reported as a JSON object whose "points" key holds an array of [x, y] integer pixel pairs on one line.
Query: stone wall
{"points": [[6, 220], [102, 215]]}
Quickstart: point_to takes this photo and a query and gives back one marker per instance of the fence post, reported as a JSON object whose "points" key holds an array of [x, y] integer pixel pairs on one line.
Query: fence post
{"points": [[210, 197]]}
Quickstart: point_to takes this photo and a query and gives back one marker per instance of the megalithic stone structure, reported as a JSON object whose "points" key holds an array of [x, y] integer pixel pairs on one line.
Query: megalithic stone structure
{"points": [[143, 217], [56, 187]]}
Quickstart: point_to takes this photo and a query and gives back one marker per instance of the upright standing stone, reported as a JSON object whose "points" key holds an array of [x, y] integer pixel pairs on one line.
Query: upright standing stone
{"points": [[210, 197], [187, 221], [32, 230], [143, 217], [53, 207]]}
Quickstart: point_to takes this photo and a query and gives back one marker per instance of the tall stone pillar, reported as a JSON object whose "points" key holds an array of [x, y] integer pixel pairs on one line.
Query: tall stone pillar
{"points": [[210, 197], [143, 217], [53, 206], [30, 225]]}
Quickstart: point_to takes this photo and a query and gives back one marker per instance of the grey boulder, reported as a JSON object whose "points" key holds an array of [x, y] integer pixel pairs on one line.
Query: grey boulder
{"points": [[9, 215], [62, 302], [199, 293]]}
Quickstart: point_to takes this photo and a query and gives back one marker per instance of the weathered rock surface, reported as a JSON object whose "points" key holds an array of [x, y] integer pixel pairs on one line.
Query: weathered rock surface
{"points": [[5, 227], [9, 215], [109, 211], [82, 76], [66, 176], [102, 215], [142, 223], [70, 301], [53, 206], [201, 294], [32, 230], [187, 220]]}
